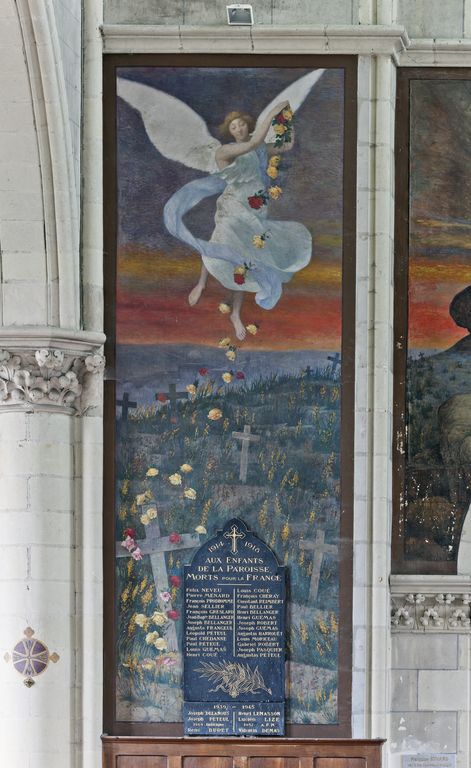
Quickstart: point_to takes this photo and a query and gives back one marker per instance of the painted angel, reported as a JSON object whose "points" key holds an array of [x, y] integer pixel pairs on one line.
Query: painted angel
{"points": [[247, 251]]}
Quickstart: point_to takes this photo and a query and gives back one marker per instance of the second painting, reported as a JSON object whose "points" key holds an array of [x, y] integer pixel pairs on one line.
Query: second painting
{"points": [[232, 247]]}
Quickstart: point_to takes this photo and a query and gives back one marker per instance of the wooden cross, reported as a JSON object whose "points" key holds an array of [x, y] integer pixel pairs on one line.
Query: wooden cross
{"points": [[234, 534], [173, 396], [246, 438], [156, 546], [335, 360], [126, 404], [319, 548]]}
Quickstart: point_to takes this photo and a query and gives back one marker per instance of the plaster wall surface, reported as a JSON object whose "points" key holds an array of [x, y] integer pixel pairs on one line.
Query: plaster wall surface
{"points": [[200, 12]]}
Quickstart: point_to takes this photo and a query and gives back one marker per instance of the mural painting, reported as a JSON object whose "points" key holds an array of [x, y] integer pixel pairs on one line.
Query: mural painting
{"points": [[433, 341], [230, 242]]}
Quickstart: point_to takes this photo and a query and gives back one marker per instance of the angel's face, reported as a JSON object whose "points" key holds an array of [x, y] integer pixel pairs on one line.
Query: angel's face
{"points": [[239, 129]]}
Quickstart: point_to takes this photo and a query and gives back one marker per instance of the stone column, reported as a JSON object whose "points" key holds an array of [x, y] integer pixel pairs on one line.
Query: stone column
{"points": [[45, 395]]}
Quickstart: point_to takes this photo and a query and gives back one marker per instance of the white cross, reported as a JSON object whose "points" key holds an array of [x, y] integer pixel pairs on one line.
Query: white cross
{"points": [[156, 546], [319, 548], [246, 438]]}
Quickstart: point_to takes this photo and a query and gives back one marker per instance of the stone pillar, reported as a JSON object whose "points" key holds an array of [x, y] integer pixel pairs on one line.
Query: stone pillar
{"points": [[51, 375], [45, 393]]}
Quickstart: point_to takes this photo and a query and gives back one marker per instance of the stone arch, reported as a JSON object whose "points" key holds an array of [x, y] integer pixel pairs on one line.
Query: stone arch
{"points": [[44, 285]]}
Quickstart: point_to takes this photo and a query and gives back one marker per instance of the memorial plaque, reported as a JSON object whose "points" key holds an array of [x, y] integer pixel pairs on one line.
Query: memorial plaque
{"points": [[444, 760], [234, 637]]}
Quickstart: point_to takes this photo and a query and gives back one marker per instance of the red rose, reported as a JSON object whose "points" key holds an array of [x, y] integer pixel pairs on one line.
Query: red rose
{"points": [[203, 371], [280, 118], [240, 375], [174, 538], [174, 615], [161, 397], [255, 201], [129, 532], [175, 581], [239, 279]]}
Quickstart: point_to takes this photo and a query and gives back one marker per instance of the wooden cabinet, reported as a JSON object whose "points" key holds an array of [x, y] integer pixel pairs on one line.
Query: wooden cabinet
{"points": [[142, 752]]}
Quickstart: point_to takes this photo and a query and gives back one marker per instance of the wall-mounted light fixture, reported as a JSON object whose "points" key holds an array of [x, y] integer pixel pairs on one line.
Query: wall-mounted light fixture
{"points": [[239, 14]]}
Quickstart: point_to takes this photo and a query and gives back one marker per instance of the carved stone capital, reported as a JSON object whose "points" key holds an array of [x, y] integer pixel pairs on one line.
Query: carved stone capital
{"points": [[49, 378], [431, 604]]}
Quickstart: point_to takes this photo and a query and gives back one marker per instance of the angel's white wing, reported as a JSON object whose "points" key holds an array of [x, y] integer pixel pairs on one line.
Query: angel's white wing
{"points": [[295, 94], [177, 131]]}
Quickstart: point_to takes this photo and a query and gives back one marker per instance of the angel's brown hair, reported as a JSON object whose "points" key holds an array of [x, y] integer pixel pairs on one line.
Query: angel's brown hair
{"points": [[224, 127]]}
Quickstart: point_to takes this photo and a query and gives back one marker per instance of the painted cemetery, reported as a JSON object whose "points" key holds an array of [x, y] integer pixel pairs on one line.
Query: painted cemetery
{"points": [[266, 451]]}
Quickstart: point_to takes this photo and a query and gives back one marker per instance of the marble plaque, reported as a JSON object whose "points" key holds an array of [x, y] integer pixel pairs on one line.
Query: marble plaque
{"points": [[429, 761], [234, 637]]}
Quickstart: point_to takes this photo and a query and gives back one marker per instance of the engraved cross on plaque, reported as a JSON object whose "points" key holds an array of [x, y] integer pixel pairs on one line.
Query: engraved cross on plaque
{"points": [[246, 438], [319, 548], [156, 546], [234, 534]]}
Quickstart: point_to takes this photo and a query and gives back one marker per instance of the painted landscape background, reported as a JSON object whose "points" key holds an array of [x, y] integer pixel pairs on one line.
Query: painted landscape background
{"points": [[438, 408], [178, 463]]}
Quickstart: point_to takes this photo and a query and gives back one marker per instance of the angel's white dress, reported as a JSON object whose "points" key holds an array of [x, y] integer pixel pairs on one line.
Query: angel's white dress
{"points": [[287, 245]]}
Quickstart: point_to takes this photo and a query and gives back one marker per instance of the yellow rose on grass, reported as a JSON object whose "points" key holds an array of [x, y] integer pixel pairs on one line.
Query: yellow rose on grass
{"points": [[190, 493], [275, 192], [159, 618], [258, 240], [148, 665], [227, 377], [215, 414], [141, 498], [272, 172], [151, 513], [279, 129], [161, 644], [231, 355], [224, 342], [152, 472], [191, 389], [224, 308], [151, 637], [145, 519], [252, 328], [175, 479], [186, 468], [141, 620], [200, 529]]}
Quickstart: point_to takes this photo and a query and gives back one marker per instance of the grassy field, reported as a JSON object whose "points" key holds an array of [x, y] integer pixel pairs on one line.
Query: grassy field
{"points": [[292, 491]]}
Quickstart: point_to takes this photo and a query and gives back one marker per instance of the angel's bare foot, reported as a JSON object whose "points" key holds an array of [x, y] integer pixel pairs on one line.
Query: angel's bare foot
{"points": [[239, 326], [195, 295]]}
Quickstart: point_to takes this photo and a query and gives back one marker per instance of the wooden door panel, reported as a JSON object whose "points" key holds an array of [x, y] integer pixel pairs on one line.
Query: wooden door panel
{"points": [[340, 762], [141, 761]]}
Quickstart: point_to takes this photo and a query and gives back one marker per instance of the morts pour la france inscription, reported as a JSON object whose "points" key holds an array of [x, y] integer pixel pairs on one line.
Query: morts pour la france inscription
{"points": [[234, 637]]}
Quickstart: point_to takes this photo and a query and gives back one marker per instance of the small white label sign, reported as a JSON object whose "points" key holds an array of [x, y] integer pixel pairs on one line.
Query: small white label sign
{"points": [[429, 761]]}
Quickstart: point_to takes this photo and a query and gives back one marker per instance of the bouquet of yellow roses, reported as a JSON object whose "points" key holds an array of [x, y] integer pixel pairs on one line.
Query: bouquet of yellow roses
{"points": [[283, 126]]}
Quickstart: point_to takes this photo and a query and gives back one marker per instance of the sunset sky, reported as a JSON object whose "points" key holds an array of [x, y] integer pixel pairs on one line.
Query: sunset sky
{"points": [[440, 208]]}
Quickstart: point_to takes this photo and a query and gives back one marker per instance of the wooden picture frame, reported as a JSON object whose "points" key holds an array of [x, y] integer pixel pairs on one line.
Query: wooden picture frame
{"points": [[348, 66], [428, 512]]}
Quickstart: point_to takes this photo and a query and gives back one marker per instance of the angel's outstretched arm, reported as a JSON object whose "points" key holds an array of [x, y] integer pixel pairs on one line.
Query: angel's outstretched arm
{"points": [[228, 152]]}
